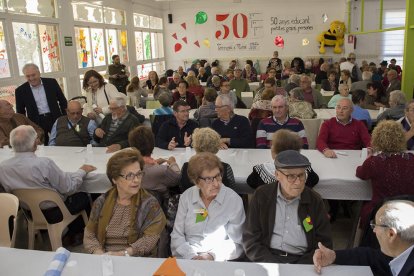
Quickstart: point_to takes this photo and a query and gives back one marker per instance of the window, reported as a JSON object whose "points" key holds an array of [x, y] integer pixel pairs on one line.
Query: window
{"points": [[45, 8], [95, 46], [149, 43], [31, 39], [392, 43], [4, 60]]}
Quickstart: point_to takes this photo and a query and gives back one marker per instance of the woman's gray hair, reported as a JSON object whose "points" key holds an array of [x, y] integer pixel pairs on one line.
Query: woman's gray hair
{"points": [[398, 215], [398, 97], [295, 78], [297, 93], [23, 138], [226, 99]]}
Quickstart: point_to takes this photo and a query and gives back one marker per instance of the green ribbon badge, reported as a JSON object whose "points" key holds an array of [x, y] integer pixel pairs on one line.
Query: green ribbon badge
{"points": [[308, 224], [201, 216]]}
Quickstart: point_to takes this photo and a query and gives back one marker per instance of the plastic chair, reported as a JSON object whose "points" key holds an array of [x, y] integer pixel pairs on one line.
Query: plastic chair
{"points": [[9, 205], [32, 198], [312, 127]]}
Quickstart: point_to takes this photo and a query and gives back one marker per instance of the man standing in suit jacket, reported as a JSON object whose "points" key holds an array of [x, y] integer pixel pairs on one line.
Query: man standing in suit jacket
{"points": [[394, 228], [40, 99]]}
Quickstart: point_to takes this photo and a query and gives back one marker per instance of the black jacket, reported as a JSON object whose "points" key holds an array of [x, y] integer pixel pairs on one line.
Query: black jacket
{"points": [[26, 104], [170, 129]]}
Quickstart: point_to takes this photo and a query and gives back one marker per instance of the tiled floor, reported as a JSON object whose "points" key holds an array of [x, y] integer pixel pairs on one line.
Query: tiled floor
{"points": [[341, 230]]}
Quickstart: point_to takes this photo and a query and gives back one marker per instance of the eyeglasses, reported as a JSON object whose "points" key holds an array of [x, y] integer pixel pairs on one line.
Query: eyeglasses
{"points": [[210, 179], [131, 176], [221, 106], [373, 225], [292, 177], [184, 111]]}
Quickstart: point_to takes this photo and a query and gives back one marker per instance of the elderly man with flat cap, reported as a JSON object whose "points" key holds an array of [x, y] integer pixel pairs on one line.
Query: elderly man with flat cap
{"points": [[286, 220]]}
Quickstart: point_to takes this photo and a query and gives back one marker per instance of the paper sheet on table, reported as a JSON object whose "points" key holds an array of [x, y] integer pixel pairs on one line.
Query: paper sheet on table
{"points": [[327, 93]]}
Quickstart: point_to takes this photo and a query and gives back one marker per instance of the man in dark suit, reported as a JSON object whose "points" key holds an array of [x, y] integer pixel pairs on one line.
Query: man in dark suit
{"points": [[40, 99], [395, 83], [394, 228]]}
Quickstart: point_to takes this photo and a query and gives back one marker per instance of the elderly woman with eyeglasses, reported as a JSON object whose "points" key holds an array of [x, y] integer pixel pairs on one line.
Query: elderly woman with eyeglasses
{"points": [[98, 93], [210, 216], [127, 220]]}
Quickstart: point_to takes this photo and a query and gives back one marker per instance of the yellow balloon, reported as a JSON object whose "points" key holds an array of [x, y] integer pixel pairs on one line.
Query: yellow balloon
{"points": [[206, 42]]}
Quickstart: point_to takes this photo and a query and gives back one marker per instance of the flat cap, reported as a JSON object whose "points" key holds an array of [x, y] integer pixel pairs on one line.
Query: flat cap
{"points": [[291, 159]]}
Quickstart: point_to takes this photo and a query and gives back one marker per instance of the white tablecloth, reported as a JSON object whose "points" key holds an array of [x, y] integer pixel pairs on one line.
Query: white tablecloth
{"points": [[17, 262], [324, 114], [337, 178]]}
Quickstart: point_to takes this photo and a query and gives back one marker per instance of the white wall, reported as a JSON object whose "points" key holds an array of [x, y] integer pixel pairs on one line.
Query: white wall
{"points": [[186, 11], [368, 46]]}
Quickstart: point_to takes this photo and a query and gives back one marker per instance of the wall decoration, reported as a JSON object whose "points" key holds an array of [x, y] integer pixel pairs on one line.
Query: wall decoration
{"points": [[185, 39], [201, 17], [305, 42], [206, 42], [239, 31], [177, 47], [184, 26], [324, 17], [332, 37], [197, 44], [279, 41], [291, 24], [174, 35]]}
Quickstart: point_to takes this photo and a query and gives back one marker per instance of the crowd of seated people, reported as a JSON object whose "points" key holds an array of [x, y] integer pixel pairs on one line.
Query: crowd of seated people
{"points": [[210, 221]]}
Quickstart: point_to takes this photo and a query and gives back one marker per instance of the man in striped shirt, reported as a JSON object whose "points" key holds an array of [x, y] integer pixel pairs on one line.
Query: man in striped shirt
{"points": [[279, 120]]}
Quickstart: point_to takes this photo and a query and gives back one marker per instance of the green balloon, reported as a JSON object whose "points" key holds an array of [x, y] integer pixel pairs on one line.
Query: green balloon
{"points": [[201, 17]]}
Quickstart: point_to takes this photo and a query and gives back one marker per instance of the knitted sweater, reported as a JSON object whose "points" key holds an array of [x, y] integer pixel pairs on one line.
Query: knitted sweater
{"points": [[334, 135], [268, 126]]}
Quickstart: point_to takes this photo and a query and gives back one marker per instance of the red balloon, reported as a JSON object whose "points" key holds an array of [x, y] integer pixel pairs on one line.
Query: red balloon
{"points": [[279, 41], [177, 47]]}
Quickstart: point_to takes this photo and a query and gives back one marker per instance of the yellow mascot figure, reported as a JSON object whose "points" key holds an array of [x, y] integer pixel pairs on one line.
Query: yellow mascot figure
{"points": [[333, 37]]}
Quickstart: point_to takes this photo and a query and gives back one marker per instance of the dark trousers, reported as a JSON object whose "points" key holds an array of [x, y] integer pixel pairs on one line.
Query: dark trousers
{"points": [[46, 123], [75, 203]]}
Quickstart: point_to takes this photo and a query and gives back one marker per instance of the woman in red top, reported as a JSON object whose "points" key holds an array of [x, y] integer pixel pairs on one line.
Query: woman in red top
{"points": [[391, 171]]}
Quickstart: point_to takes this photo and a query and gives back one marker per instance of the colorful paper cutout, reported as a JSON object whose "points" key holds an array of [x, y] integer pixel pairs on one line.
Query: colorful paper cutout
{"points": [[184, 26], [305, 42], [206, 43], [177, 47], [197, 44], [185, 39], [324, 17], [201, 216], [308, 224], [279, 41], [174, 35], [201, 17]]}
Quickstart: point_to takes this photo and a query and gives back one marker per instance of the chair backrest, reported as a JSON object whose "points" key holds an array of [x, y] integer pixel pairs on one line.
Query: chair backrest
{"points": [[32, 198], [157, 121], [206, 122], [9, 205], [312, 127], [153, 104]]}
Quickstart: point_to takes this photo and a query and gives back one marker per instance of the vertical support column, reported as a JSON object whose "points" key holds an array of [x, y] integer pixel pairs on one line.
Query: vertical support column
{"points": [[381, 13], [408, 68], [362, 15]]}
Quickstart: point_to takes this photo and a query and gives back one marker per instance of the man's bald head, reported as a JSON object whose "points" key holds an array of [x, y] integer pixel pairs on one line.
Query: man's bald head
{"points": [[6, 109], [74, 111]]}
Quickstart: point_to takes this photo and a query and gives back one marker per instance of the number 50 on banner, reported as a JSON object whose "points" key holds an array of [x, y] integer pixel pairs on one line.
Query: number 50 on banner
{"points": [[224, 30]]}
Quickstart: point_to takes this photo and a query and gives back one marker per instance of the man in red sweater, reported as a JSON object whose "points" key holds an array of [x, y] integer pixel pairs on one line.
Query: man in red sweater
{"points": [[342, 132]]}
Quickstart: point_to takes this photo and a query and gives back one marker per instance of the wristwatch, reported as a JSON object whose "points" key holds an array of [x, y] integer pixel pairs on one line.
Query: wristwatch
{"points": [[126, 253]]}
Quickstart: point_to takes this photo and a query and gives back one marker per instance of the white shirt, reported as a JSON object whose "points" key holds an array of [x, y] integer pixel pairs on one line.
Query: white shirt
{"points": [[39, 95], [219, 234], [398, 262], [100, 99]]}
